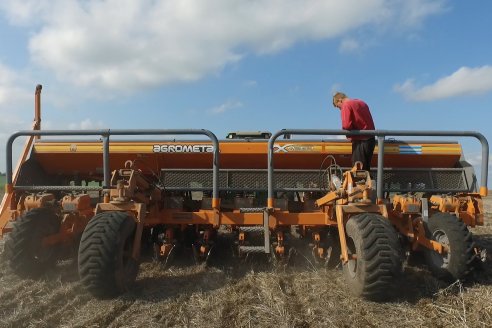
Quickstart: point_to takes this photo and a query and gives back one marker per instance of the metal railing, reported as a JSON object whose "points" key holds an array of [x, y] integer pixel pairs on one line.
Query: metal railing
{"points": [[105, 134], [380, 134]]}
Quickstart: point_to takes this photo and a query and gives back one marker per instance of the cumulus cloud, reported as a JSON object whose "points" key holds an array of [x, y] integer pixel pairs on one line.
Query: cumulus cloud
{"points": [[126, 44], [475, 159], [413, 12], [13, 100], [465, 81], [227, 106], [9, 125], [337, 87], [86, 124], [10, 90], [349, 45], [250, 83]]}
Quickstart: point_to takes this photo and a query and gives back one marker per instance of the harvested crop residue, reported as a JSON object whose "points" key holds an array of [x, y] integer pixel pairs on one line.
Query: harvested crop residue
{"points": [[249, 294]]}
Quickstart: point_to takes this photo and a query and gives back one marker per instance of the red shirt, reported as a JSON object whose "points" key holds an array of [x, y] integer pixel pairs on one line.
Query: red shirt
{"points": [[356, 116]]}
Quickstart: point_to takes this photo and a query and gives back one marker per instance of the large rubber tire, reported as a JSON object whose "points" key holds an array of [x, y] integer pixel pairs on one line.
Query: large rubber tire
{"points": [[23, 248], [378, 257], [106, 267], [453, 233]]}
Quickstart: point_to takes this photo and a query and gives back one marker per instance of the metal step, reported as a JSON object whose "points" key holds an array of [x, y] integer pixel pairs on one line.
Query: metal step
{"points": [[265, 229], [252, 209], [252, 249], [251, 229]]}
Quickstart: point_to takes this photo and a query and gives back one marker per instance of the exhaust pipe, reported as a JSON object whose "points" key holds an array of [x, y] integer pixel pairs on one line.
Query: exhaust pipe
{"points": [[37, 109]]}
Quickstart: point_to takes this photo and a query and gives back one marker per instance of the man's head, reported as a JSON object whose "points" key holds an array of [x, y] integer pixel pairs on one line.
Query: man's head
{"points": [[338, 99]]}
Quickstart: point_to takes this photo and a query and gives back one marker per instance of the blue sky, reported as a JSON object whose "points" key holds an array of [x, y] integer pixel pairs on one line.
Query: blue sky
{"points": [[228, 65]]}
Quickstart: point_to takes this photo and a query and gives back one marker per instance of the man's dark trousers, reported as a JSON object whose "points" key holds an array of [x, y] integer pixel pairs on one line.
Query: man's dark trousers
{"points": [[362, 151]]}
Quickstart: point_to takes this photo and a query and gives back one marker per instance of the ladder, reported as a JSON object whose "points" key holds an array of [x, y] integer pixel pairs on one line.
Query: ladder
{"points": [[265, 230]]}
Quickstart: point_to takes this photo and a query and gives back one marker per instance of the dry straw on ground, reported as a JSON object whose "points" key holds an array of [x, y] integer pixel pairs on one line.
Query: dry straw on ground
{"points": [[248, 295]]}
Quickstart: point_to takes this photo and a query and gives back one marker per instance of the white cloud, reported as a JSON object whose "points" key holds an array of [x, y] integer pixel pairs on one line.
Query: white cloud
{"points": [[22, 12], [250, 83], [398, 18], [413, 12], [465, 81], [227, 106], [11, 120], [337, 87], [10, 91], [475, 159], [295, 89], [126, 44], [15, 107], [86, 124], [349, 45]]}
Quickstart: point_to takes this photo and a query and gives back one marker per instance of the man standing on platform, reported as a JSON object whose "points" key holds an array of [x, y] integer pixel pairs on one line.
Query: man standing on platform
{"points": [[356, 116]]}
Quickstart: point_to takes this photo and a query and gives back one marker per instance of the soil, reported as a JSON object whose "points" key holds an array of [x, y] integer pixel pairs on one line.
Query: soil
{"points": [[247, 294]]}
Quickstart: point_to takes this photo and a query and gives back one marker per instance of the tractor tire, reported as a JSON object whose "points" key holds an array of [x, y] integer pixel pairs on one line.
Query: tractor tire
{"points": [[453, 233], [106, 266], [24, 251], [373, 273]]}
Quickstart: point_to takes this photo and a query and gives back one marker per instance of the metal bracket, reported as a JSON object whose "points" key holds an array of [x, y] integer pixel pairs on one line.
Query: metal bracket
{"points": [[425, 210]]}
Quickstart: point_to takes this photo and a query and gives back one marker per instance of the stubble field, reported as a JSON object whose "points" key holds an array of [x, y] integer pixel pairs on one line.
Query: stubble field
{"points": [[252, 294]]}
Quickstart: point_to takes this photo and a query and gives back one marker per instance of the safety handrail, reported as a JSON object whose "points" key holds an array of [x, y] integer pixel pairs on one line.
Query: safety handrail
{"points": [[380, 134], [105, 134]]}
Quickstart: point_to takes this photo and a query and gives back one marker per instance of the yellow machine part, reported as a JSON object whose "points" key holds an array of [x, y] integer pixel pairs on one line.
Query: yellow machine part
{"points": [[67, 157]]}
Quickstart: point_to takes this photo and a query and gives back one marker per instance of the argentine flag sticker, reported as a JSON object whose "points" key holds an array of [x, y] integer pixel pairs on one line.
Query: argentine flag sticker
{"points": [[410, 150]]}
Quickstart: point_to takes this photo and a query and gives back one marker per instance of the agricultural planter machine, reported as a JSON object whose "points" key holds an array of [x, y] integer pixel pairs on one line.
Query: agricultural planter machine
{"points": [[108, 197]]}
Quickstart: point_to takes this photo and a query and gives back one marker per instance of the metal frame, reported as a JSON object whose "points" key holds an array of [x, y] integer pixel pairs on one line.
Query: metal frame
{"points": [[105, 134], [226, 175], [380, 134]]}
